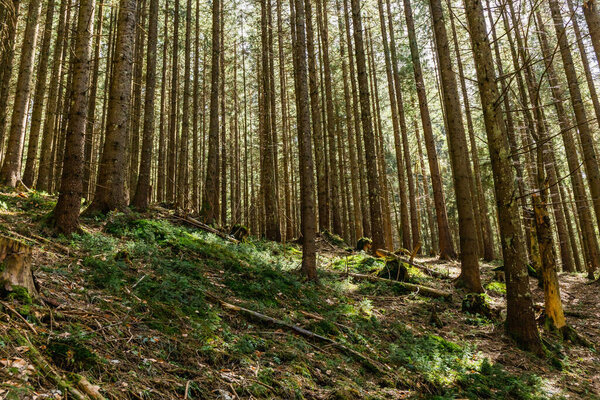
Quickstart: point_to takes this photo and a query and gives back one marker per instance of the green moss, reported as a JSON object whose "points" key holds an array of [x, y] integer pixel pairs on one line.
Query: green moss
{"points": [[72, 353], [498, 287], [20, 294]]}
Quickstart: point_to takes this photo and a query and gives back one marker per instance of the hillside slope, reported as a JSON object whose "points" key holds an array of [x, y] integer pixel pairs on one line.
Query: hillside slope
{"points": [[138, 307]]}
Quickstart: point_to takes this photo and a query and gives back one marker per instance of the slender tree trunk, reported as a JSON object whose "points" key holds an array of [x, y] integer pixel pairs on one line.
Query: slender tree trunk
{"points": [[10, 173], [90, 135], [592, 256], [459, 156], [520, 320], [367, 125], [172, 140], [481, 207], [307, 197], [66, 212], [38, 100], [354, 173], [445, 239], [6, 65], [162, 140], [397, 121], [195, 206], [591, 12], [210, 197], [111, 189], [142, 195], [589, 153], [366, 224]]}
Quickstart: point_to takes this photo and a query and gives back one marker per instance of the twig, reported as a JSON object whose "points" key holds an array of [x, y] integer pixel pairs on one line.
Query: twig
{"points": [[31, 327]]}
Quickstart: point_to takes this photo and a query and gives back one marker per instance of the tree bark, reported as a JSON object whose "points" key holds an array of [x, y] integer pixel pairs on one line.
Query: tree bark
{"points": [[446, 247], [10, 173], [111, 188], [520, 321], [142, 196], [592, 17], [66, 212], [38, 99], [459, 156]]}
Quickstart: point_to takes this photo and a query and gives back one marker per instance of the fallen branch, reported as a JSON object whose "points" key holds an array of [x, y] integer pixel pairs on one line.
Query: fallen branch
{"points": [[411, 287], [429, 271], [204, 227], [370, 363], [40, 362], [8, 307]]}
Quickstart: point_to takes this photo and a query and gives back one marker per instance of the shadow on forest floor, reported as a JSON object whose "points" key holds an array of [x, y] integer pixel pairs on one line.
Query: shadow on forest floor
{"points": [[132, 311]]}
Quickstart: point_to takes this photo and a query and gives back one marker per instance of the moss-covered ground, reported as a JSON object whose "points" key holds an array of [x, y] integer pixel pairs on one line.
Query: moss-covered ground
{"points": [[131, 306]]}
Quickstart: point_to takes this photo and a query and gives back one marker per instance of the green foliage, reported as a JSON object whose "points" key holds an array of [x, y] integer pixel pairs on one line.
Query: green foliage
{"points": [[72, 352], [107, 274], [247, 344], [20, 294], [334, 239], [93, 243], [498, 287]]}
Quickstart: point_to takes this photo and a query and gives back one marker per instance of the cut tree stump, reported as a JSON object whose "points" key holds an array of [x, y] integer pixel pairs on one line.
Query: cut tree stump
{"points": [[15, 267]]}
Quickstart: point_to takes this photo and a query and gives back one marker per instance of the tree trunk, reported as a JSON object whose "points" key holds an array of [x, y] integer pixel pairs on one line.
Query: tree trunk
{"points": [[446, 247], [141, 198], [162, 139], [589, 153], [367, 125], [459, 156], [520, 321], [210, 196], [398, 121], [307, 197], [172, 140], [6, 66], [38, 100], [592, 17], [66, 212], [10, 173], [111, 188]]}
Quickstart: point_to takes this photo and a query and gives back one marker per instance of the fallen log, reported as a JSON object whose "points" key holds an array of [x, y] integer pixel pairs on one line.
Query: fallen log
{"points": [[204, 227], [411, 287], [429, 271], [368, 362]]}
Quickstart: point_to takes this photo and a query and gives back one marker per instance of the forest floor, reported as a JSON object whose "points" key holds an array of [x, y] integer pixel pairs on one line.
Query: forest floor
{"points": [[134, 305]]}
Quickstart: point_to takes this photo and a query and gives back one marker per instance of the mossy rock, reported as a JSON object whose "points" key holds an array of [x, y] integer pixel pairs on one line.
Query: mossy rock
{"points": [[394, 269]]}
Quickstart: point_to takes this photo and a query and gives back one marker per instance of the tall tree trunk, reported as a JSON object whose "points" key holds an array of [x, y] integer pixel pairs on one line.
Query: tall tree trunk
{"points": [[142, 195], [111, 189], [10, 173], [307, 197], [589, 153], [397, 121], [592, 256], [367, 125], [210, 196], [43, 181], [66, 212], [445, 239], [317, 132], [459, 156], [6, 65], [38, 99], [182, 173], [195, 206], [90, 136], [172, 140], [354, 173], [162, 139], [520, 320], [591, 12], [481, 207], [366, 224]]}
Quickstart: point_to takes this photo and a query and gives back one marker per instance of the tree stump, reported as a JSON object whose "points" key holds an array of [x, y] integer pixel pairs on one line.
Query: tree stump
{"points": [[15, 267]]}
